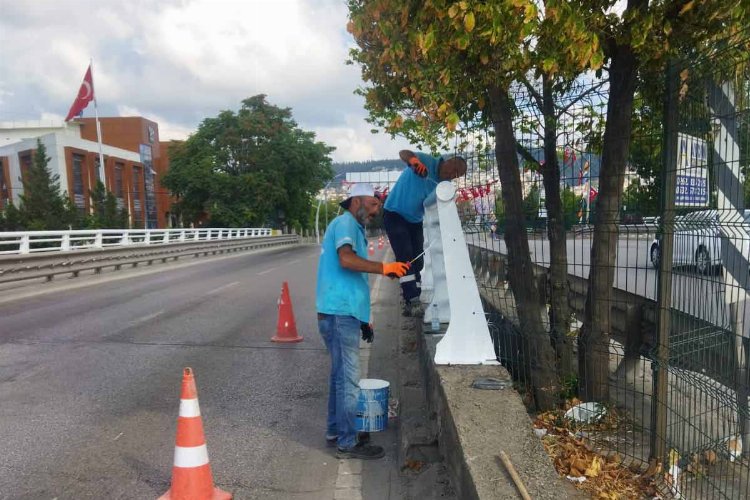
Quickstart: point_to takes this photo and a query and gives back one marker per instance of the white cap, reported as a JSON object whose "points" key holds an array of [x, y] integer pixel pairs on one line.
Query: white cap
{"points": [[362, 189], [358, 189]]}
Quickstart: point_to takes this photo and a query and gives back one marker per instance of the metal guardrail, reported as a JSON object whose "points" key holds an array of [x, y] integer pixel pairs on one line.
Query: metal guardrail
{"points": [[47, 265], [28, 242]]}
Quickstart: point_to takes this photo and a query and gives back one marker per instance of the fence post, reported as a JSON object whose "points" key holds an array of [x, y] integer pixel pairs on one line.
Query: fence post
{"points": [[742, 391], [658, 441], [65, 242], [24, 245]]}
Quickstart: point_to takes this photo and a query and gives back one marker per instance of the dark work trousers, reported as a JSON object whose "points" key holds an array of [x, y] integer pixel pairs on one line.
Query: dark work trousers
{"points": [[407, 240]]}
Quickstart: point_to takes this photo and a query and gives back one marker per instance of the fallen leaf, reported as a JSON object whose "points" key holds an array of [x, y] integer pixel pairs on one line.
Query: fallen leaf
{"points": [[595, 468]]}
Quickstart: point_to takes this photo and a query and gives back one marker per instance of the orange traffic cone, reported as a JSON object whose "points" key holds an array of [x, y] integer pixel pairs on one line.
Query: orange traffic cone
{"points": [[286, 328], [191, 474]]}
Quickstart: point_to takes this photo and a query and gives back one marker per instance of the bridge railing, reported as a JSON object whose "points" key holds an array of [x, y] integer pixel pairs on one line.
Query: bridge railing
{"points": [[28, 242], [449, 275]]}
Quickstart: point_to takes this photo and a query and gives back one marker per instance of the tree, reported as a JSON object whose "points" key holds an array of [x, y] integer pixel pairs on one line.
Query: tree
{"points": [[251, 167], [105, 214], [12, 218], [475, 52], [570, 204], [42, 206], [531, 204], [642, 40]]}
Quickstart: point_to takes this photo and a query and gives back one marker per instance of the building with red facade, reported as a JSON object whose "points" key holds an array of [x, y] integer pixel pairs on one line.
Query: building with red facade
{"points": [[134, 162]]}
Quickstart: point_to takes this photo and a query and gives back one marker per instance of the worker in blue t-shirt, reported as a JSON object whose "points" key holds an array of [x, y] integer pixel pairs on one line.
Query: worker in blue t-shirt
{"points": [[404, 211], [342, 298]]}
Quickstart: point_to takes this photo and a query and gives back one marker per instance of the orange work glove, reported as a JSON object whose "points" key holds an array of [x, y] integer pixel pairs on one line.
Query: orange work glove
{"points": [[395, 269], [418, 166]]}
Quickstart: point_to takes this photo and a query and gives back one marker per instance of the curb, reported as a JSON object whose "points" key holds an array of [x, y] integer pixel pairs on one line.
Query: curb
{"points": [[475, 425]]}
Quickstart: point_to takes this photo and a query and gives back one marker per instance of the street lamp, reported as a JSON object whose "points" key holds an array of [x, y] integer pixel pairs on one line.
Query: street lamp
{"points": [[317, 211]]}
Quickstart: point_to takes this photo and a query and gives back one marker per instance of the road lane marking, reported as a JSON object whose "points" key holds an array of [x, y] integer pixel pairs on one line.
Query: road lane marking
{"points": [[148, 317], [223, 287], [267, 271]]}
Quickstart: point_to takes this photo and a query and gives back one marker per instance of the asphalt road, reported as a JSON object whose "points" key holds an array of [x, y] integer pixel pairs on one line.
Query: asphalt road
{"points": [[699, 295], [90, 381]]}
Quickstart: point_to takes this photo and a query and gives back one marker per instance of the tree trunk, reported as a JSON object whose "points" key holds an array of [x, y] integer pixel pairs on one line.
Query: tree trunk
{"points": [[558, 268], [593, 350], [540, 357]]}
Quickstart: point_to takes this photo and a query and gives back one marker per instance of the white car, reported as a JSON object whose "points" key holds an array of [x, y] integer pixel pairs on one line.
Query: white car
{"points": [[697, 241]]}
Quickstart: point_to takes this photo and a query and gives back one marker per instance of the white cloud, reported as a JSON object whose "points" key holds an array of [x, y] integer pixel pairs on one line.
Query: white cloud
{"points": [[179, 61], [355, 142]]}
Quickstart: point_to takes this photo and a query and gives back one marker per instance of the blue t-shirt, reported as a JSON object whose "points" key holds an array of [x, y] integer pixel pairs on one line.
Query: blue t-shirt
{"points": [[340, 291], [408, 194]]}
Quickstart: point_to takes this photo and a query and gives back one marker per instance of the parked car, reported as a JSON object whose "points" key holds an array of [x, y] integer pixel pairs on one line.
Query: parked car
{"points": [[697, 241]]}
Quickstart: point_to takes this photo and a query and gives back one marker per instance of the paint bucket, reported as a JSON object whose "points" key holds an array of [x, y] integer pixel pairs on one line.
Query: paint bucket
{"points": [[372, 405]]}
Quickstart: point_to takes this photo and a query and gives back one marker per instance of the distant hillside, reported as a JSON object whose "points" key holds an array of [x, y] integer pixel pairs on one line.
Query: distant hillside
{"points": [[367, 166], [569, 172]]}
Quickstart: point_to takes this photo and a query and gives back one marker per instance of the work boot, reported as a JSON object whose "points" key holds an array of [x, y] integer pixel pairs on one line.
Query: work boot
{"points": [[362, 438], [362, 451]]}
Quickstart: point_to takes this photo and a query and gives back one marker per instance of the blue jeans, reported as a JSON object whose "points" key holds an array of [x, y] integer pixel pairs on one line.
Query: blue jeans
{"points": [[341, 336]]}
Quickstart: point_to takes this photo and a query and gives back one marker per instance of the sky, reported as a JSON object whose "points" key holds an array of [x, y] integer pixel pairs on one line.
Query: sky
{"points": [[179, 61]]}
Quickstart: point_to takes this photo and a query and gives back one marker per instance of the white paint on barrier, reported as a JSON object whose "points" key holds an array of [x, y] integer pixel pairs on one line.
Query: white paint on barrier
{"points": [[467, 340]]}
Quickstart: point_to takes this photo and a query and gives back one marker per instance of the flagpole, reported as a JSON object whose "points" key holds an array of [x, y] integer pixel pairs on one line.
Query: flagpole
{"points": [[98, 131]]}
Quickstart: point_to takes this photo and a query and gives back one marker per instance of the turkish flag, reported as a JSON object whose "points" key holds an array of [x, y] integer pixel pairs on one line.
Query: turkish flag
{"points": [[593, 193], [85, 96]]}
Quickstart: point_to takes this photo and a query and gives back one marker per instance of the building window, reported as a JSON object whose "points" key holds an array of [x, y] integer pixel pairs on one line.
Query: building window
{"points": [[119, 167], [25, 160], [97, 173], [4, 194], [78, 199], [137, 202]]}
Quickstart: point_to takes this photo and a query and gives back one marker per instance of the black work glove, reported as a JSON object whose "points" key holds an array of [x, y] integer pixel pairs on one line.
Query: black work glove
{"points": [[368, 334]]}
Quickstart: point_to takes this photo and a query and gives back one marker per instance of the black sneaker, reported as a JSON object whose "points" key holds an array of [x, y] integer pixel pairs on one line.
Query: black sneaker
{"points": [[362, 451], [363, 437]]}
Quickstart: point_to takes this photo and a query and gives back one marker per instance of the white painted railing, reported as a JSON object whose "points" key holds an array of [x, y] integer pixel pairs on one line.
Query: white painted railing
{"points": [[455, 294], [27, 242]]}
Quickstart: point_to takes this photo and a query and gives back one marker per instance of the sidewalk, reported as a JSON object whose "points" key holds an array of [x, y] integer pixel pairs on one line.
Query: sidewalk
{"points": [[393, 357]]}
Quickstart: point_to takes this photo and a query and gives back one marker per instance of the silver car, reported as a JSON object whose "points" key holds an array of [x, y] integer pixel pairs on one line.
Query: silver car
{"points": [[697, 241]]}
